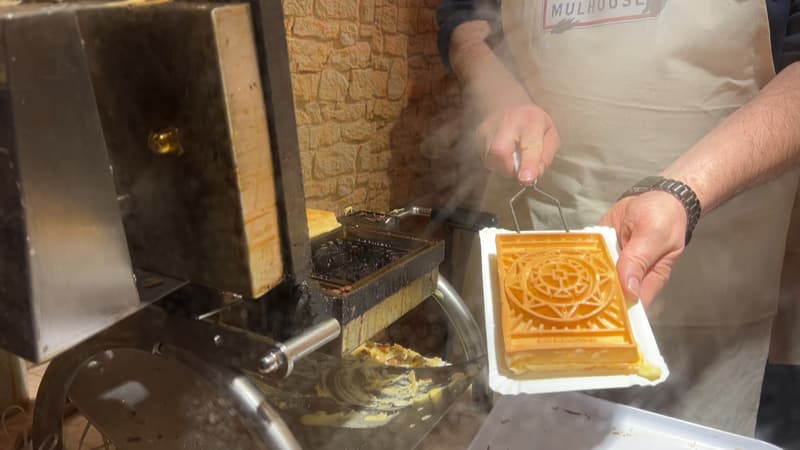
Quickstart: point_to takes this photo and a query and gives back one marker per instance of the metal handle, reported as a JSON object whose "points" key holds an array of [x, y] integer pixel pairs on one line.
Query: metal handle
{"points": [[281, 358], [516, 157], [535, 188]]}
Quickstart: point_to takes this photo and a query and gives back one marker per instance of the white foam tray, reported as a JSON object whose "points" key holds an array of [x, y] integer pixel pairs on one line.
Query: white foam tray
{"points": [[500, 378], [574, 421]]}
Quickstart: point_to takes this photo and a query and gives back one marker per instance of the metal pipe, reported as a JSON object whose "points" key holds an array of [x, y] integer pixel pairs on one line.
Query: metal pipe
{"points": [[470, 335], [280, 359], [312, 339], [460, 316], [272, 429]]}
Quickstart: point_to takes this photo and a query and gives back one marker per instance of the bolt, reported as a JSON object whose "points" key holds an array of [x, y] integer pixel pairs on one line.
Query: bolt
{"points": [[165, 142]]}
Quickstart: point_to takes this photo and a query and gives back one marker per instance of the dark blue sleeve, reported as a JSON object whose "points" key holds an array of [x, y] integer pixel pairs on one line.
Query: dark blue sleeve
{"points": [[791, 43], [452, 13], [784, 26]]}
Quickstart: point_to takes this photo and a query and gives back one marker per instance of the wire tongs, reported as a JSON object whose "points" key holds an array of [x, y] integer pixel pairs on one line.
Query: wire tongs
{"points": [[535, 189]]}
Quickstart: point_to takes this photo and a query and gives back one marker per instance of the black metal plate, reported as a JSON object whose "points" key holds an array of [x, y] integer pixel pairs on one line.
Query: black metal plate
{"points": [[396, 261]]}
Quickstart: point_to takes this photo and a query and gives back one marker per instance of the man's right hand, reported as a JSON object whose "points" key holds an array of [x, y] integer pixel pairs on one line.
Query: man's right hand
{"points": [[510, 118], [524, 126]]}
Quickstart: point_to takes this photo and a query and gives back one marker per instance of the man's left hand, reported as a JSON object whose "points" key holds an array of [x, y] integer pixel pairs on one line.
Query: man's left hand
{"points": [[651, 229]]}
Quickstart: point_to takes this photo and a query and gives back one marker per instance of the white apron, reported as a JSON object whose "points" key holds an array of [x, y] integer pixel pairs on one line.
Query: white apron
{"points": [[630, 85]]}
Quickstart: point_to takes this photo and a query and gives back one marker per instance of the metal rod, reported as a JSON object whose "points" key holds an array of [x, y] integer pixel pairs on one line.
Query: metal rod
{"points": [[558, 205], [514, 197], [312, 339], [511, 205], [216, 311], [536, 188], [281, 358]]}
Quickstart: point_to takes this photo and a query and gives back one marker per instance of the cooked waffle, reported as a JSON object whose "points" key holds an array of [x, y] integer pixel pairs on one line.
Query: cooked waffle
{"points": [[321, 222], [563, 310]]}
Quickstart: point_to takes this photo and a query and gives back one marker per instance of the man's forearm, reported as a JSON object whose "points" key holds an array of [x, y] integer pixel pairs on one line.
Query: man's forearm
{"points": [[483, 74], [515, 137], [755, 143]]}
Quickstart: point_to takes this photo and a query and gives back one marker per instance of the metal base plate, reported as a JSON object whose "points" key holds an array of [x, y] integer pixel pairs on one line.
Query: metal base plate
{"points": [[142, 401], [145, 402]]}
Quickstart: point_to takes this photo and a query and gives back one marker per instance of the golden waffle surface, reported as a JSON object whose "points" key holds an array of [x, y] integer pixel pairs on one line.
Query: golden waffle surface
{"points": [[563, 312]]}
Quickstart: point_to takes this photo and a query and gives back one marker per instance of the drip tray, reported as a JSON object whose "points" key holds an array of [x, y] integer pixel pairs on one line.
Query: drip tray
{"points": [[359, 268]]}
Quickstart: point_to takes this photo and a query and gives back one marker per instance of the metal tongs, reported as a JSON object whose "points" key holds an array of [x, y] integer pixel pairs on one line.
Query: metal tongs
{"points": [[535, 189]]}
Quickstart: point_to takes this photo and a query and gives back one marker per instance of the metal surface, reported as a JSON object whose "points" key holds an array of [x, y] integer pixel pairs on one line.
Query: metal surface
{"points": [[535, 188], [66, 273], [471, 336], [280, 360], [210, 351], [347, 301], [135, 66], [215, 353], [572, 420], [250, 402], [334, 403], [142, 401], [191, 169], [153, 287], [133, 398], [464, 323], [311, 339], [136, 76], [218, 346]]}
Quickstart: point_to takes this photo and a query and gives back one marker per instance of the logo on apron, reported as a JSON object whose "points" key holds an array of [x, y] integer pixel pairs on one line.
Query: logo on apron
{"points": [[561, 15]]}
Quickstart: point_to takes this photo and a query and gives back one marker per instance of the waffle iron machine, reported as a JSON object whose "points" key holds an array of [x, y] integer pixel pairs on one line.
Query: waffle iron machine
{"points": [[156, 248]]}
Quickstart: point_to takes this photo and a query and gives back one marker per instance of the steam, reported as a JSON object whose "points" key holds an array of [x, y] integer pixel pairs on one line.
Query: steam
{"points": [[451, 145]]}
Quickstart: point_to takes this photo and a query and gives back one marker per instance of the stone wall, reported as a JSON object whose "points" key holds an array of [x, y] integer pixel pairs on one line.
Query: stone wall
{"points": [[372, 99]]}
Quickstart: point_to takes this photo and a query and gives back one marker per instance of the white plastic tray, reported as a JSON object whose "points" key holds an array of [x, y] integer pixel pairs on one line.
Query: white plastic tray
{"points": [[573, 421], [500, 379]]}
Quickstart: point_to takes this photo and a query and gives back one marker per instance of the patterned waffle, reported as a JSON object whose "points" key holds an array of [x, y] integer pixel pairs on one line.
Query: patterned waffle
{"points": [[563, 312]]}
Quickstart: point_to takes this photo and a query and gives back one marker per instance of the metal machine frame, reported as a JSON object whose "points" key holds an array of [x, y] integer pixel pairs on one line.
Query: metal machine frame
{"points": [[296, 311], [219, 355]]}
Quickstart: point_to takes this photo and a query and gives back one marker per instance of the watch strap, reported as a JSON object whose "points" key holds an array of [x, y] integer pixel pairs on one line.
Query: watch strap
{"points": [[679, 190]]}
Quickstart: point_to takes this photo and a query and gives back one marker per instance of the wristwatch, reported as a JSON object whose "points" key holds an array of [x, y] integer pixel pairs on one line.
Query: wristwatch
{"points": [[677, 189]]}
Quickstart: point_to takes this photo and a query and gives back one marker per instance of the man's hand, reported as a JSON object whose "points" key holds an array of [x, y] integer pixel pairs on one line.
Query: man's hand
{"points": [[522, 125], [510, 118], [651, 229]]}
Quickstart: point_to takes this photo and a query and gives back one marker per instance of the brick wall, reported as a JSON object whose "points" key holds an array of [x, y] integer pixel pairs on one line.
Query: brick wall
{"points": [[372, 100]]}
